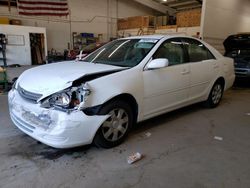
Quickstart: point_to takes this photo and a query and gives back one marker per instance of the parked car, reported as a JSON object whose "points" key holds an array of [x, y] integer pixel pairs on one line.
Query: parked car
{"points": [[238, 48], [125, 81]]}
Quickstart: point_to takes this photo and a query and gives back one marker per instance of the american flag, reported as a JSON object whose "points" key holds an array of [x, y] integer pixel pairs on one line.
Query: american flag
{"points": [[43, 7]]}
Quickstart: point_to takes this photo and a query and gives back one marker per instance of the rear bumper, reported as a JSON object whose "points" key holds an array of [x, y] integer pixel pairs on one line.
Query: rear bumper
{"points": [[52, 127]]}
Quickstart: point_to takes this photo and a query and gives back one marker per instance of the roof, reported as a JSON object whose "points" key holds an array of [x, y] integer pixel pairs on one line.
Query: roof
{"points": [[147, 37], [158, 37]]}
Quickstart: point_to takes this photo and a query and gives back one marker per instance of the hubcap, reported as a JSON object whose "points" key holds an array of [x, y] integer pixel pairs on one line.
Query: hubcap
{"points": [[216, 94], [116, 125]]}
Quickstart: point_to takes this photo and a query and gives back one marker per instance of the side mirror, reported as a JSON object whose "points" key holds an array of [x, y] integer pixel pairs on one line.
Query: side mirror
{"points": [[157, 64]]}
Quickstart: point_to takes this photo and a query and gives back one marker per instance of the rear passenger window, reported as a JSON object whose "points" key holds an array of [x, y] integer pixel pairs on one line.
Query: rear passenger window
{"points": [[196, 50], [171, 50]]}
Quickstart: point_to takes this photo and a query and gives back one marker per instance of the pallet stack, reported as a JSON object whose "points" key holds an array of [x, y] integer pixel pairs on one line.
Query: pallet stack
{"points": [[143, 25], [138, 25], [136, 22], [190, 18]]}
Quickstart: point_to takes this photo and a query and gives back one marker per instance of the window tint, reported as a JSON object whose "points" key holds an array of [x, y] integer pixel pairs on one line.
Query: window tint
{"points": [[171, 50], [196, 50]]}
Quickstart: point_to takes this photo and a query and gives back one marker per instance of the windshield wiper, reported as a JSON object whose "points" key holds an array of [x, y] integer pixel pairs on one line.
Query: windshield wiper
{"points": [[107, 63]]}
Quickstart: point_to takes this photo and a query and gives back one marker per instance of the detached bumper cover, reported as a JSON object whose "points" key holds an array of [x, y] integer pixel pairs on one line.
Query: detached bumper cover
{"points": [[52, 127]]}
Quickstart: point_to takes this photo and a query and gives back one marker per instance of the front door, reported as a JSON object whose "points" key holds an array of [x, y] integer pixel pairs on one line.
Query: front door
{"points": [[167, 88]]}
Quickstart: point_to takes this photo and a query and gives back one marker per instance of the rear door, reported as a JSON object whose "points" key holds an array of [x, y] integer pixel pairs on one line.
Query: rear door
{"points": [[203, 67]]}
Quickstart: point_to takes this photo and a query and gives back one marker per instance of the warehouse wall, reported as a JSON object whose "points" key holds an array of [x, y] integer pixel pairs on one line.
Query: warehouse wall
{"points": [[20, 53], [222, 18], [93, 16]]}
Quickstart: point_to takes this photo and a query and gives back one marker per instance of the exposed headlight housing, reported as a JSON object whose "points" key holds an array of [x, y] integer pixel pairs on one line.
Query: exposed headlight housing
{"points": [[60, 99], [70, 98]]}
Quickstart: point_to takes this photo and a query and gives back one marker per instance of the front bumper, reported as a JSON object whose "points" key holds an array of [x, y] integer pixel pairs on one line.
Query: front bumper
{"points": [[52, 127]]}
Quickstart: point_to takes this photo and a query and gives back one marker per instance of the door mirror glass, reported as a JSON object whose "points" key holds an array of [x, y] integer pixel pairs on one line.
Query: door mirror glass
{"points": [[157, 64]]}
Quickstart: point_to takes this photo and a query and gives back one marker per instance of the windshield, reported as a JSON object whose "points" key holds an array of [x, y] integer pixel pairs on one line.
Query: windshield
{"points": [[124, 53]]}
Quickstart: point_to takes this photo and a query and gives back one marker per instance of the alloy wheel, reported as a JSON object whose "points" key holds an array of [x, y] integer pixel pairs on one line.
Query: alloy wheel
{"points": [[116, 125], [216, 93]]}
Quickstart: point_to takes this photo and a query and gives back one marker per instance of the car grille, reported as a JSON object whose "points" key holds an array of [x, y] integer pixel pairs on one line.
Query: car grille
{"points": [[28, 95]]}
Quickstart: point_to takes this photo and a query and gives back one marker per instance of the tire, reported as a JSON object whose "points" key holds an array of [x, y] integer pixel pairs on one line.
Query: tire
{"points": [[115, 129], [215, 95]]}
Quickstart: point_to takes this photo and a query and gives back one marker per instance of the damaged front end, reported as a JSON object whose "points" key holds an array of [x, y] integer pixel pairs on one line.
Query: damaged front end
{"points": [[68, 127], [58, 111], [75, 96], [70, 99]]}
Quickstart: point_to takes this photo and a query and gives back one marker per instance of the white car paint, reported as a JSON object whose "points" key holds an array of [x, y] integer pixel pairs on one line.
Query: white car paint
{"points": [[58, 76], [155, 92]]}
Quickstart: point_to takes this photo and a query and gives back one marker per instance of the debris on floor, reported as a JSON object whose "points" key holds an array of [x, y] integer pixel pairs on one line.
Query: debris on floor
{"points": [[134, 157], [248, 114], [144, 135], [76, 155], [218, 138], [148, 134]]}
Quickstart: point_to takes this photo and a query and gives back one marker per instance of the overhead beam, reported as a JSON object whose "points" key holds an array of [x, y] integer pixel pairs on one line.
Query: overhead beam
{"points": [[182, 3], [189, 7], [157, 6], [164, 2]]}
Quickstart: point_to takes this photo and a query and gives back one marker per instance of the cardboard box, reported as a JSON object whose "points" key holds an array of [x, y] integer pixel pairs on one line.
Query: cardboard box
{"points": [[4, 20], [15, 22], [136, 22], [189, 18]]}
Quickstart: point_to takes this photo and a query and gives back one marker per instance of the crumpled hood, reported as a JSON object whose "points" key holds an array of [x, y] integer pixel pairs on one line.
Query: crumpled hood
{"points": [[51, 78]]}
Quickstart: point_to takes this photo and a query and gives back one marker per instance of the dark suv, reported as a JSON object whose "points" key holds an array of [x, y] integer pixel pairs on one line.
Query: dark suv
{"points": [[238, 48]]}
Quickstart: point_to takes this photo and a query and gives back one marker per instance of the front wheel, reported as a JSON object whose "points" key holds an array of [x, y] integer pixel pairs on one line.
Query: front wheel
{"points": [[115, 129], [215, 95]]}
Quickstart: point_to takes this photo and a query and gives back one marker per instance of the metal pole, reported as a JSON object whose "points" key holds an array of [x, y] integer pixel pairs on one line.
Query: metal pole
{"points": [[9, 5]]}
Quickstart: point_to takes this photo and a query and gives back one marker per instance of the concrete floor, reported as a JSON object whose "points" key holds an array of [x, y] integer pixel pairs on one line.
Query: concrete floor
{"points": [[181, 152]]}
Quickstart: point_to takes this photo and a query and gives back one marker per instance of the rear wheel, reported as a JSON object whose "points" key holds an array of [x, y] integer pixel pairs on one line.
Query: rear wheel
{"points": [[215, 95], [115, 129]]}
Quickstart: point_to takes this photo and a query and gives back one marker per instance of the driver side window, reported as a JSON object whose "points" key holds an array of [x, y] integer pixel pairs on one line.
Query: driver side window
{"points": [[171, 50]]}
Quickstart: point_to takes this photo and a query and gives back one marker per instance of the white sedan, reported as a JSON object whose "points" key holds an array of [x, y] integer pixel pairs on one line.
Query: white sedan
{"points": [[98, 99]]}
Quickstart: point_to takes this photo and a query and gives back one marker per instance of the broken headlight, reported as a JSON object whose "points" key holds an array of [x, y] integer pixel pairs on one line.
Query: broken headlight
{"points": [[60, 99], [68, 99]]}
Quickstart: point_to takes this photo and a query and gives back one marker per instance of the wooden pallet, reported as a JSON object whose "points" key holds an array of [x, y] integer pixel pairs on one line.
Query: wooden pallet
{"points": [[136, 22], [189, 18]]}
